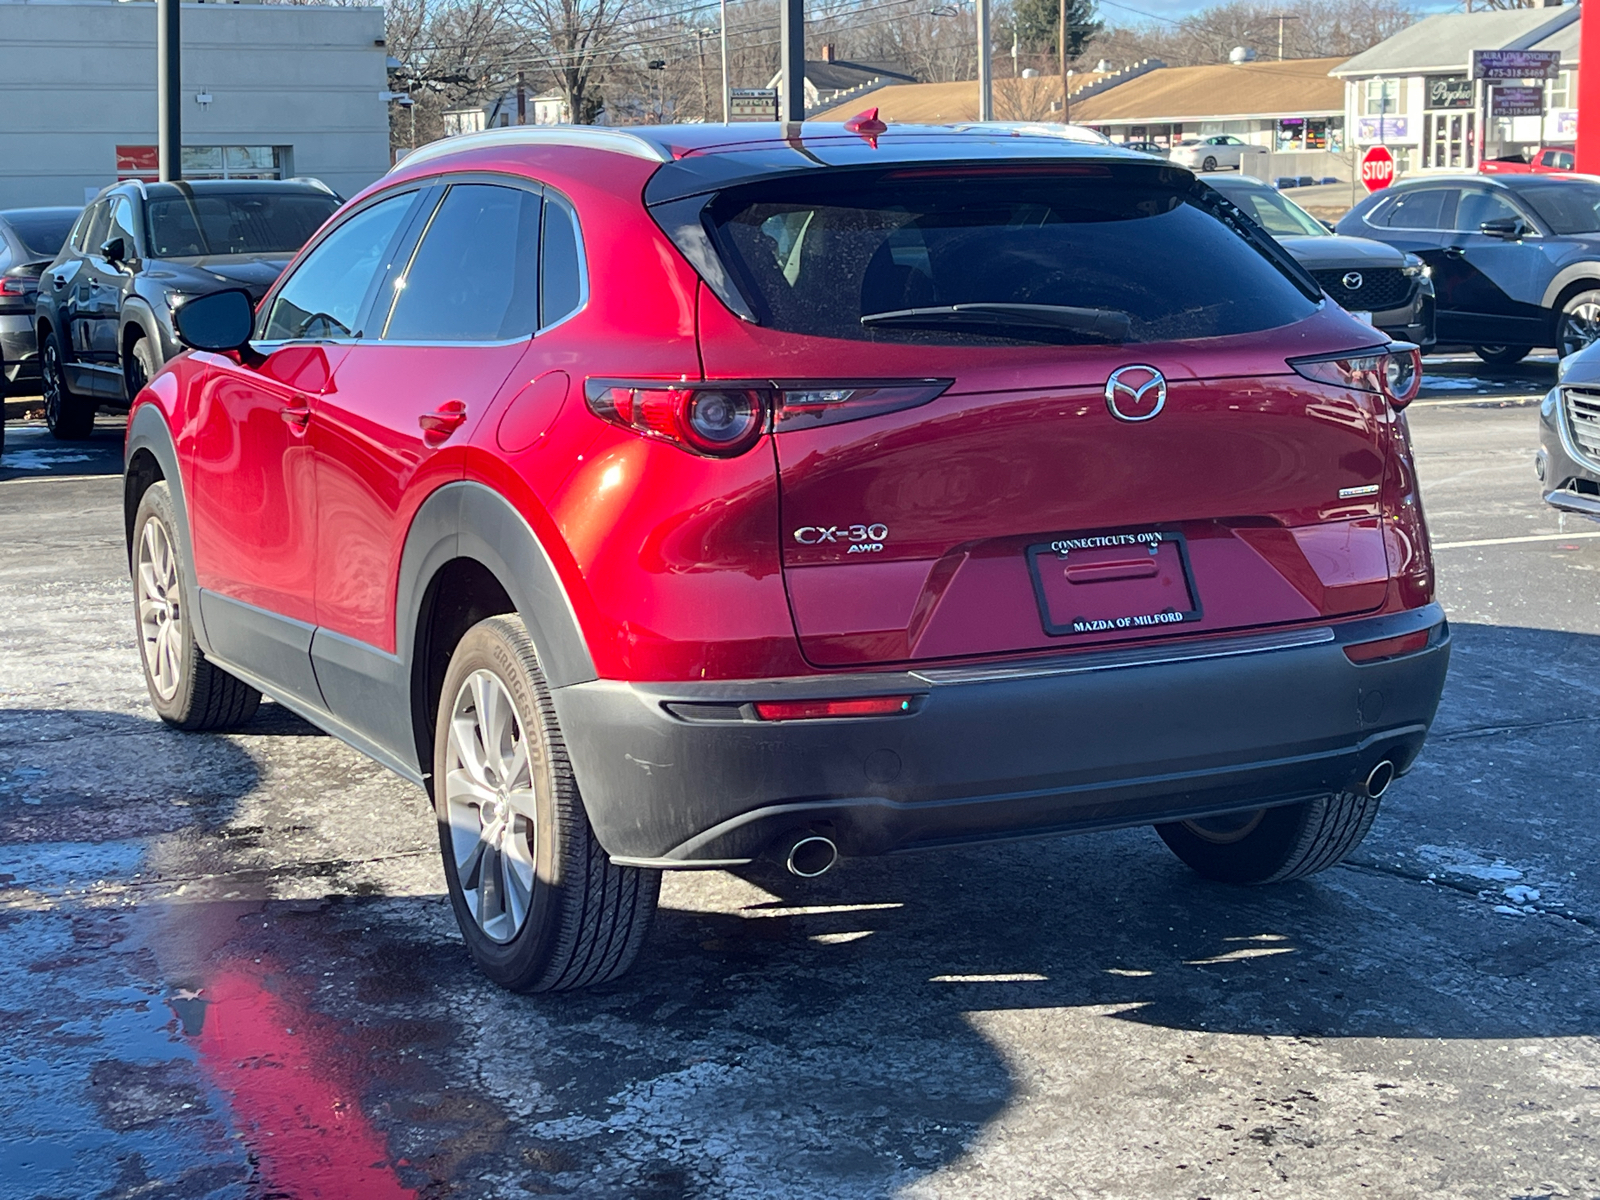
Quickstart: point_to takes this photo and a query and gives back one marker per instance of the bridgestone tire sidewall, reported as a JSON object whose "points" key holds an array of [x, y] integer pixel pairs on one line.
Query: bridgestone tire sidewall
{"points": [[523, 958], [156, 505]]}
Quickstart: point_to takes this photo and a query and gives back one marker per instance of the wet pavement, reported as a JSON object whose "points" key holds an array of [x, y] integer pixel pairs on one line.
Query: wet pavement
{"points": [[230, 970]]}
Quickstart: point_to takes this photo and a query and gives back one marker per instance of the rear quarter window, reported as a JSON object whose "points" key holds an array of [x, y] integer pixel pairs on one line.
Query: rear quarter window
{"points": [[817, 254]]}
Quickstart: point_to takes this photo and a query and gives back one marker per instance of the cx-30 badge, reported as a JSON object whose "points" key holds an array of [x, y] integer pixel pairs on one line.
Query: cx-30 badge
{"points": [[1352, 280], [1136, 393]]}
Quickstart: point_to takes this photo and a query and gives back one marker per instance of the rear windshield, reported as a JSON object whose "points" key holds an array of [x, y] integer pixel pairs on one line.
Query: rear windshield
{"points": [[43, 233], [1071, 253], [249, 223], [1571, 206]]}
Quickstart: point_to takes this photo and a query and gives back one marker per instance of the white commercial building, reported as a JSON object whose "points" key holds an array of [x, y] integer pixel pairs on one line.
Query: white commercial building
{"points": [[1414, 93], [269, 91]]}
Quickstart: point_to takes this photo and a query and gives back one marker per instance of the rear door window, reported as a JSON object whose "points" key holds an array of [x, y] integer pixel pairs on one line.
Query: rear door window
{"points": [[1425, 208], [1075, 253], [474, 277]]}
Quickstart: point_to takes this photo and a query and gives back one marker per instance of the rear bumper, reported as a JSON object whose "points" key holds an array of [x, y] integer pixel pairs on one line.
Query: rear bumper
{"points": [[1045, 745], [17, 347]]}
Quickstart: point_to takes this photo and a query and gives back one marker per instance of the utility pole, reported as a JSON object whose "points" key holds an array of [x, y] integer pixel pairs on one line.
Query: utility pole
{"points": [[792, 56], [522, 99], [169, 93], [1061, 39], [1281, 18], [985, 63], [727, 92]]}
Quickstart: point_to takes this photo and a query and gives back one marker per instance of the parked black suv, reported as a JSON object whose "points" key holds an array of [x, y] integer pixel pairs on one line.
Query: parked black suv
{"points": [[1515, 259], [1385, 287], [104, 313]]}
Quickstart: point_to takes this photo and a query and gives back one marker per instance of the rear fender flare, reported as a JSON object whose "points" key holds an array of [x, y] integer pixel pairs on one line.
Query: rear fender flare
{"points": [[137, 315], [468, 520]]}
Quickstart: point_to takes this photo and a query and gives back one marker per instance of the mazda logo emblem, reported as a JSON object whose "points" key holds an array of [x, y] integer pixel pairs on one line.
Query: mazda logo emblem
{"points": [[1352, 280], [1136, 393]]}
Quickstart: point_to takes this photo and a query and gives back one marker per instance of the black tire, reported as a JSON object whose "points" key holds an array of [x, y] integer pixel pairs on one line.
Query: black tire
{"points": [[69, 415], [187, 689], [515, 824], [1578, 323], [1272, 845], [1502, 356], [1210, 163], [140, 367]]}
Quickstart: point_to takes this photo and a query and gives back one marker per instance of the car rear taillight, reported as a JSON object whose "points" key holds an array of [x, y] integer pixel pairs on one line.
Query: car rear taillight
{"points": [[725, 418], [1395, 372], [718, 420], [817, 710], [10, 285], [1391, 647], [807, 405]]}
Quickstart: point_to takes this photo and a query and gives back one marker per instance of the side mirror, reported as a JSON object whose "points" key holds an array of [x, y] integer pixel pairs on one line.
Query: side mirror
{"points": [[115, 251], [1509, 228], [219, 321]]}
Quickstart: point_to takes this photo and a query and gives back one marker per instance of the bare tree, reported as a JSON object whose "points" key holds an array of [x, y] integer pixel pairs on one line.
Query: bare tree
{"points": [[576, 42]]}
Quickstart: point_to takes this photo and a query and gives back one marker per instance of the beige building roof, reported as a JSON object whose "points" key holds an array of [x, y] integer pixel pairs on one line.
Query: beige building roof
{"points": [[945, 103], [1224, 91]]}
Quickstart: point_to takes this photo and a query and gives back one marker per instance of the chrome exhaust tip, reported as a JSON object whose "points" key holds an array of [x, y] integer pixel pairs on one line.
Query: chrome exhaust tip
{"points": [[1379, 779], [811, 855]]}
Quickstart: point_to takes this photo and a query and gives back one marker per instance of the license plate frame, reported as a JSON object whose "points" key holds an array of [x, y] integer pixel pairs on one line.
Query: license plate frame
{"points": [[1058, 549]]}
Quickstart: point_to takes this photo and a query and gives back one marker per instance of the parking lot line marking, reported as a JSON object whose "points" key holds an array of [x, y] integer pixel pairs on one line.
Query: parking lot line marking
{"points": [[1513, 541], [1517, 400], [54, 478]]}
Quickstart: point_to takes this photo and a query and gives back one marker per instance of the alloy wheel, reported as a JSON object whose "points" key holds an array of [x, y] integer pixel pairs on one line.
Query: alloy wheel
{"points": [[50, 385], [161, 627], [1580, 327], [490, 806]]}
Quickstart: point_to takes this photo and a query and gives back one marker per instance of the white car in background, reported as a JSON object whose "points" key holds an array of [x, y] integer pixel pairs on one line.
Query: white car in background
{"points": [[1220, 153]]}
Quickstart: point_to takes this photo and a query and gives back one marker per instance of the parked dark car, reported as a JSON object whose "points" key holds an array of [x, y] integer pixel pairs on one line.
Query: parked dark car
{"points": [[1515, 259], [1384, 286], [29, 239], [1143, 148], [104, 313]]}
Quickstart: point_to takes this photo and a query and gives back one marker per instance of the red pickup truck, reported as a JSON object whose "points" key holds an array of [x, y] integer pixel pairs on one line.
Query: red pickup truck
{"points": [[1547, 160]]}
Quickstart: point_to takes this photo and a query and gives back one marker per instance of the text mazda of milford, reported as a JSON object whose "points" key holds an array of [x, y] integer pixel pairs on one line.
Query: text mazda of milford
{"points": [[667, 499]]}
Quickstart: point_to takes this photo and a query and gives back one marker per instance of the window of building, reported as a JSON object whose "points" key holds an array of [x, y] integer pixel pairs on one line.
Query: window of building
{"points": [[1561, 93], [235, 162], [1383, 97]]}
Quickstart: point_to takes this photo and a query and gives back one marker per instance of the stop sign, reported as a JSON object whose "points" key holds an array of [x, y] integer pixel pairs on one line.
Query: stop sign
{"points": [[1377, 168]]}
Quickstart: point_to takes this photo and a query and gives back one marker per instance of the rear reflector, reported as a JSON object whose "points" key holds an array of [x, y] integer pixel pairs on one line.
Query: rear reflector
{"points": [[813, 710], [1406, 643]]}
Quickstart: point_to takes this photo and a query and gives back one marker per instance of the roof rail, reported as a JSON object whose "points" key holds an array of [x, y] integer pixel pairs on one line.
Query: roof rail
{"points": [[587, 137]]}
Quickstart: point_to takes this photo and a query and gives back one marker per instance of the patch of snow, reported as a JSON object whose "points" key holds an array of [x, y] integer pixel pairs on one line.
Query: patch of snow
{"points": [[1521, 893], [1508, 910], [41, 460], [1454, 861]]}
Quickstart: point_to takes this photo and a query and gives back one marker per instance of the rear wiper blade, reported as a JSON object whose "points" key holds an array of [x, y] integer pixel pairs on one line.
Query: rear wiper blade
{"points": [[1107, 324]]}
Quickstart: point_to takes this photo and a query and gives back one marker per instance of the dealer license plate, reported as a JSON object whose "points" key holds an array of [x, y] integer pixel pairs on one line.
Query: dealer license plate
{"points": [[1130, 583]]}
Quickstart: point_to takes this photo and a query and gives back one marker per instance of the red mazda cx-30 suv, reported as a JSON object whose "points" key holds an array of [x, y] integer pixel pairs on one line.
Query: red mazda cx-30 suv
{"points": [[665, 498]]}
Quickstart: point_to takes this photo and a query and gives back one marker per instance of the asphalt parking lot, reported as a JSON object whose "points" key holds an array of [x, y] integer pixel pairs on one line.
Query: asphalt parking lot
{"points": [[231, 970]]}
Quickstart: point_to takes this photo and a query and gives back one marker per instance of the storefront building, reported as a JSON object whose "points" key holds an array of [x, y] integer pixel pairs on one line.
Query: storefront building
{"points": [[269, 91], [1293, 109], [1416, 93]]}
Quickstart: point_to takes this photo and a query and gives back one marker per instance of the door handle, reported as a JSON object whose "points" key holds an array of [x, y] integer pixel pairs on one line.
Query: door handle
{"points": [[438, 425], [1454, 252], [296, 416]]}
